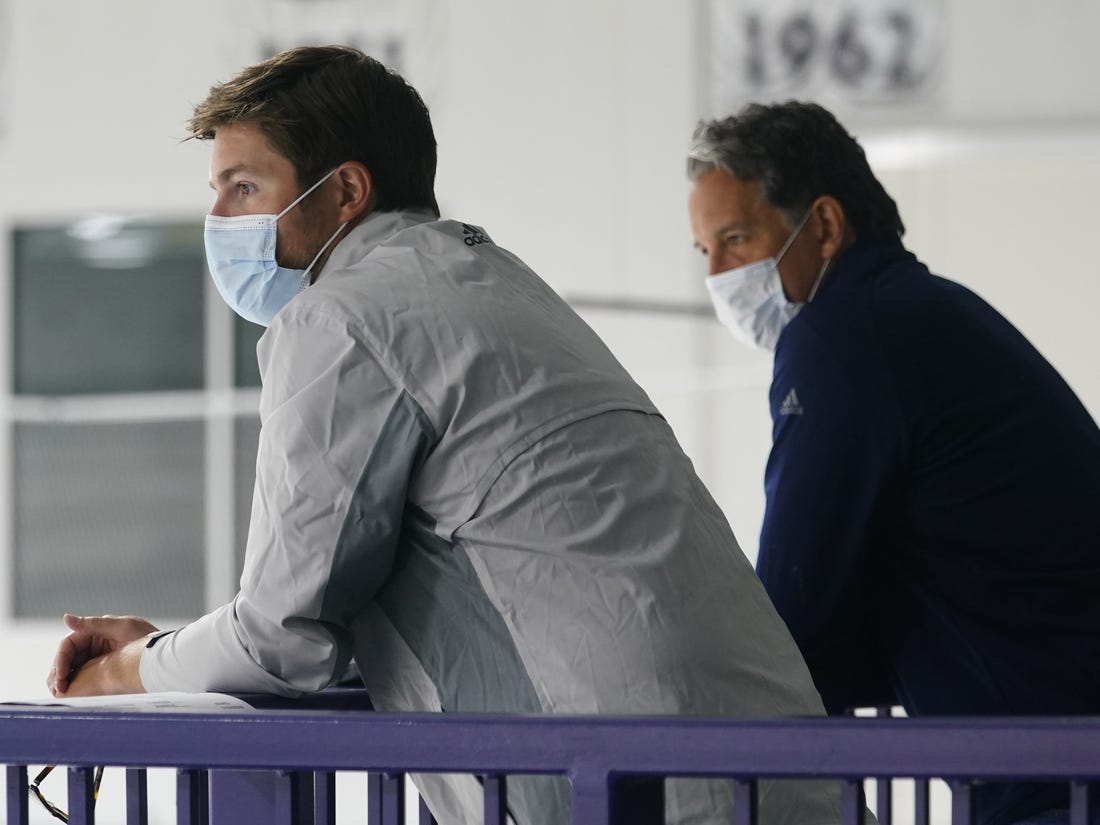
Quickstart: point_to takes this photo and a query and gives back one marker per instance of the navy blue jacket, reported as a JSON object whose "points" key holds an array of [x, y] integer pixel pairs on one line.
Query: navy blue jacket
{"points": [[932, 533]]}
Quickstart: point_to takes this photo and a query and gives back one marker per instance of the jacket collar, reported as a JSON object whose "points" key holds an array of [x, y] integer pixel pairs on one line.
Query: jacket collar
{"points": [[374, 230], [861, 259]]}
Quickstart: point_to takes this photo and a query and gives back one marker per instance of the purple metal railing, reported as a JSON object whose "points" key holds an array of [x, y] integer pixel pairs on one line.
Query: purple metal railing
{"points": [[287, 759]]}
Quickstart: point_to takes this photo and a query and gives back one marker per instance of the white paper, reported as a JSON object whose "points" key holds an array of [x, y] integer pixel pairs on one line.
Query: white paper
{"points": [[173, 701]]}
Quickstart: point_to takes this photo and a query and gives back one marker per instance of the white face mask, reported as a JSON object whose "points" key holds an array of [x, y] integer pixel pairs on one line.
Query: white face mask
{"points": [[750, 302], [240, 253]]}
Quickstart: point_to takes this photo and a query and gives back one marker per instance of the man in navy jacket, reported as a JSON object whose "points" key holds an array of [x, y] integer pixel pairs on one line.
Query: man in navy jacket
{"points": [[932, 532]]}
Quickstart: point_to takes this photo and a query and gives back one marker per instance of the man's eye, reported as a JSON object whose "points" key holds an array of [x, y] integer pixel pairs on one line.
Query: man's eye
{"points": [[734, 240], [246, 188]]}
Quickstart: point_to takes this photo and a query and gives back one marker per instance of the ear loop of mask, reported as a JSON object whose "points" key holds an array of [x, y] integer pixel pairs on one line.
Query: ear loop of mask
{"points": [[305, 194], [787, 245], [817, 280], [794, 234], [298, 200], [321, 251]]}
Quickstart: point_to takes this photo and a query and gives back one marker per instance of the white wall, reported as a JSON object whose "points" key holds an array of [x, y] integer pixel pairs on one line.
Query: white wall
{"points": [[562, 129]]}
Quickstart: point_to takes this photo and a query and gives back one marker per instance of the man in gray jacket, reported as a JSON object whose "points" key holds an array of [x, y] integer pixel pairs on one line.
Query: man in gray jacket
{"points": [[457, 484]]}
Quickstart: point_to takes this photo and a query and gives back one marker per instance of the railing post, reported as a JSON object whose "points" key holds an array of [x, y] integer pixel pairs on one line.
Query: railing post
{"points": [[18, 801], [884, 788], [744, 801], [192, 797], [962, 802], [1082, 803], [324, 798], [853, 802], [495, 788], [591, 797], [386, 799], [920, 802], [81, 796], [884, 801], [374, 799], [137, 797], [293, 798], [426, 817]]}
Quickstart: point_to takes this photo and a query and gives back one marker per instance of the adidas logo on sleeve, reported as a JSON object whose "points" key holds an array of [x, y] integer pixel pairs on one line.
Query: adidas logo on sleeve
{"points": [[791, 405]]}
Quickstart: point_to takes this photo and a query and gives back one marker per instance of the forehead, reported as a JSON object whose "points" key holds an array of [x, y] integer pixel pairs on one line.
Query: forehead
{"points": [[718, 198], [243, 146]]}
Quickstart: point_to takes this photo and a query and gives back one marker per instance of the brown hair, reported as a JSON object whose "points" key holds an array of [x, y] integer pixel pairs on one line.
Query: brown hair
{"points": [[320, 106]]}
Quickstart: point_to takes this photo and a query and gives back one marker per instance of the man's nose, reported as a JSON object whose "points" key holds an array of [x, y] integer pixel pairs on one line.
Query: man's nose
{"points": [[218, 208], [716, 262]]}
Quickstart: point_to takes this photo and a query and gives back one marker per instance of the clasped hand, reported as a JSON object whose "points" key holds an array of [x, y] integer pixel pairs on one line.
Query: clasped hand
{"points": [[100, 656]]}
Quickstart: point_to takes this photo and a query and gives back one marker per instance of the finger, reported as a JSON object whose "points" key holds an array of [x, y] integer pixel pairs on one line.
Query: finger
{"points": [[110, 628], [58, 679], [72, 652], [51, 683]]}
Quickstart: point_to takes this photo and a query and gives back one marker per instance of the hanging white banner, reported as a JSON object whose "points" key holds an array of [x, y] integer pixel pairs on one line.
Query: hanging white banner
{"points": [[846, 54], [408, 36], [5, 66]]}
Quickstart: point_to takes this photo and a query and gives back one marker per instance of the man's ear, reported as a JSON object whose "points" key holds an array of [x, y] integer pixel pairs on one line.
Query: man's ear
{"points": [[356, 190], [831, 226]]}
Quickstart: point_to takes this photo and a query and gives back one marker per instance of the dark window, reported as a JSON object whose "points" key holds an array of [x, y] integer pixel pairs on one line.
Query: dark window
{"points": [[106, 308], [108, 518]]}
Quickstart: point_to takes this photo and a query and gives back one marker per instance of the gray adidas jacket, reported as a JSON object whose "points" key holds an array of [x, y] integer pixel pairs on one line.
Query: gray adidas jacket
{"points": [[459, 485]]}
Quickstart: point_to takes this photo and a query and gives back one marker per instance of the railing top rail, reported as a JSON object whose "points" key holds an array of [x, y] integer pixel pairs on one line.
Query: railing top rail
{"points": [[1055, 748]]}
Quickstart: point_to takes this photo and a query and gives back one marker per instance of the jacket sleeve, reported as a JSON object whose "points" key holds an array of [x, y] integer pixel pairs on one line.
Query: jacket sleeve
{"points": [[829, 485], [340, 437]]}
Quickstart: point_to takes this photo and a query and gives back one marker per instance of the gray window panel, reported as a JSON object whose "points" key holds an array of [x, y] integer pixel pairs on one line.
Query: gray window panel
{"points": [[108, 518], [102, 308], [246, 438], [245, 335]]}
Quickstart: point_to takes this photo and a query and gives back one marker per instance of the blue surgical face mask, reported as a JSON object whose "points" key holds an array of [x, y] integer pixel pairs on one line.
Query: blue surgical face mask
{"points": [[240, 253], [750, 302]]}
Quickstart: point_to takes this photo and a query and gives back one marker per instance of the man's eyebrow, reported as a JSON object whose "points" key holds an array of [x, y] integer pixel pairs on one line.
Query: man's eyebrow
{"points": [[227, 173], [729, 227]]}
